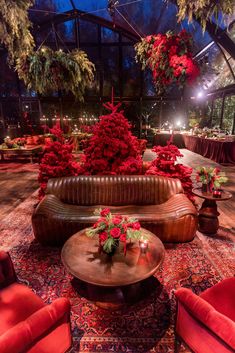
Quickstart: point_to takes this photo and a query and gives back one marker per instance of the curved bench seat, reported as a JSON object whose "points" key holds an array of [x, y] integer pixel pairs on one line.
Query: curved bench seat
{"points": [[173, 220]]}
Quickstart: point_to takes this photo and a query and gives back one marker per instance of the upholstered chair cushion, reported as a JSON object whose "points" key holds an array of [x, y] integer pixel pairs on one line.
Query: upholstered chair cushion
{"points": [[206, 322], [27, 324]]}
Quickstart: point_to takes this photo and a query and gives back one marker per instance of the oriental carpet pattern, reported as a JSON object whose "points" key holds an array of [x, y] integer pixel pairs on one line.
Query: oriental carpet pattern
{"points": [[148, 325]]}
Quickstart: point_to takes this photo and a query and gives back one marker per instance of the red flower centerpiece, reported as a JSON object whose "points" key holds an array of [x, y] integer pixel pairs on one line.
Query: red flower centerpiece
{"points": [[169, 57], [113, 229]]}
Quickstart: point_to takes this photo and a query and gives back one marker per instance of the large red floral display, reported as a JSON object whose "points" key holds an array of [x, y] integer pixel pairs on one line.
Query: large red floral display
{"points": [[169, 56], [112, 148], [166, 165], [57, 160]]}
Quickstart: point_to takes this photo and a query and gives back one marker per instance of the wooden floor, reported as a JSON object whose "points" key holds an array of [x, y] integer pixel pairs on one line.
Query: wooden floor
{"points": [[16, 186]]}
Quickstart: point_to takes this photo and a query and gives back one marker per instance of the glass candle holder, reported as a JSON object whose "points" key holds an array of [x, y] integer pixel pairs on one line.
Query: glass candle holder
{"points": [[217, 194], [143, 244]]}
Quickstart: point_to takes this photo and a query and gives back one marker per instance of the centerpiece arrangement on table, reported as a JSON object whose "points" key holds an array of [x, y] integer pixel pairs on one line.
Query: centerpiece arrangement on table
{"points": [[211, 179], [113, 229], [10, 144]]}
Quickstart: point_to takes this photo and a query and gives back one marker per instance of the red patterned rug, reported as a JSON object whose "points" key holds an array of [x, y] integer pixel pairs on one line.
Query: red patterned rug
{"points": [[147, 326]]}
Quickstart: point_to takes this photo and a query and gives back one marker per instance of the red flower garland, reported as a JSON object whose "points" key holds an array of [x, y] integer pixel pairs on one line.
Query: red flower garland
{"points": [[169, 56]]}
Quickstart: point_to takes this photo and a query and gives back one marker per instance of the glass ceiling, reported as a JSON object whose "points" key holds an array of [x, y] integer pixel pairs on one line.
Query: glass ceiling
{"points": [[114, 55], [143, 17]]}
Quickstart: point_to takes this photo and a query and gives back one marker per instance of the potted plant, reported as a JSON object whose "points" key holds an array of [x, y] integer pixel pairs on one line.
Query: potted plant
{"points": [[211, 178]]}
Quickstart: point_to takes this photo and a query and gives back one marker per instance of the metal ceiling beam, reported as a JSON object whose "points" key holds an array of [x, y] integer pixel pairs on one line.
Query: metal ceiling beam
{"points": [[230, 89], [72, 14], [73, 5], [220, 36]]}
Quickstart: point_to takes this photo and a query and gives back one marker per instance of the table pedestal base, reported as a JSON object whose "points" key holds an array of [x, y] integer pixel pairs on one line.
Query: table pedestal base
{"points": [[114, 298], [208, 217]]}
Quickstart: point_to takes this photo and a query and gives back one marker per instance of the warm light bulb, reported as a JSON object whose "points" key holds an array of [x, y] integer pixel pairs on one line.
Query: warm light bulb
{"points": [[200, 94]]}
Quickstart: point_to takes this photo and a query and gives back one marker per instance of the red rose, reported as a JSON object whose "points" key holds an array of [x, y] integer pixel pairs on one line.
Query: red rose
{"points": [[115, 232], [123, 237], [103, 236], [105, 212], [135, 225], [96, 224], [117, 220]]}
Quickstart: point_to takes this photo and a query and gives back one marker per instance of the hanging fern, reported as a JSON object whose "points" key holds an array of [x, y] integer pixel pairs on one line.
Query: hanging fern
{"points": [[46, 71], [204, 10], [15, 27]]}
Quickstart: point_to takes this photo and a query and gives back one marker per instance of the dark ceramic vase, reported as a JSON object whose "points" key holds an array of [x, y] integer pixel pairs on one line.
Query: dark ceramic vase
{"points": [[207, 187], [114, 249]]}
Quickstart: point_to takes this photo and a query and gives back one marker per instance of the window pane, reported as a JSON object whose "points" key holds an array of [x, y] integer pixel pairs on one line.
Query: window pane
{"points": [[110, 70], [217, 113], [229, 110], [88, 32], [107, 35], [131, 73]]}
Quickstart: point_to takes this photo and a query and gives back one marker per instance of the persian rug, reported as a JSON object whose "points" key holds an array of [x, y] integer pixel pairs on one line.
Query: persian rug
{"points": [[146, 326]]}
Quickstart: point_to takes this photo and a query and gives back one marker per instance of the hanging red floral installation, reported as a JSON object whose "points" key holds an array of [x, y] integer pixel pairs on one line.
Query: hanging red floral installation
{"points": [[112, 148], [57, 160], [169, 56], [166, 165]]}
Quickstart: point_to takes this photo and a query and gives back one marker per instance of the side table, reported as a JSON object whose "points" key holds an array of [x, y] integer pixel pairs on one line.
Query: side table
{"points": [[208, 213]]}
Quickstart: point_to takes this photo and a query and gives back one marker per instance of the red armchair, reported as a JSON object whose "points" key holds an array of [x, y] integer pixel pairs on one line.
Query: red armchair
{"points": [[26, 323], [206, 323]]}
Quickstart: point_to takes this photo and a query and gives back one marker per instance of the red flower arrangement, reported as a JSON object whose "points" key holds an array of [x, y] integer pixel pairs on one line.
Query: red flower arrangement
{"points": [[169, 56], [57, 160], [114, 228], [112, 148], [166, 165]]}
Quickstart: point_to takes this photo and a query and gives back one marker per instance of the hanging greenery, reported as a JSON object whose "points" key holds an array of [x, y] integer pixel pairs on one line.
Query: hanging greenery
{"points": [[204, 10], [46, 71], [15, 27]]}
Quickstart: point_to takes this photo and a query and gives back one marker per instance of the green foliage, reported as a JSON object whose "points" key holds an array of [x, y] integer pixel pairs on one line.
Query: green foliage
{"points": [[15, 27], [203, 10], [211, 175], [46, 71], [142, 48], [134, 234], [109, 245]]}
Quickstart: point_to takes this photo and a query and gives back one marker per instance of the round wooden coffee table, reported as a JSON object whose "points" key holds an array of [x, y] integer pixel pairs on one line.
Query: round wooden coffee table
{"points": [[111, 281], [208, 221]]}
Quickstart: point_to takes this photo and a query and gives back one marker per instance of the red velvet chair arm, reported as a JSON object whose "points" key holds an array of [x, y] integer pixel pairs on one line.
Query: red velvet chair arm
{"points": [[202, 311], [7, 272], [26, 333]]}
